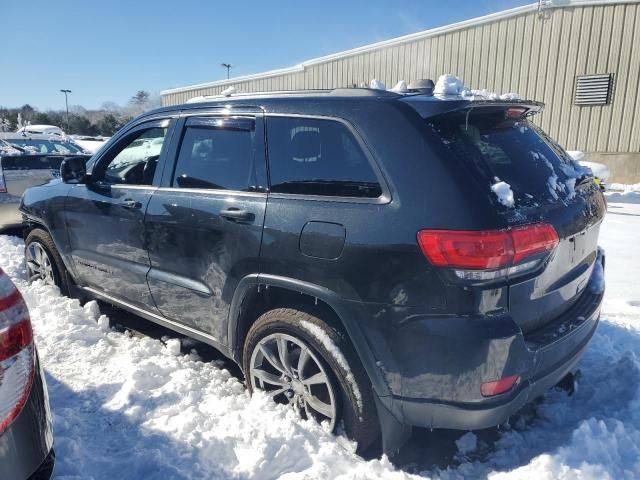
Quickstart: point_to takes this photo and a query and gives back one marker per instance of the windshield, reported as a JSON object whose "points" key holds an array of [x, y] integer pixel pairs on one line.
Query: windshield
{"points": [[500, 149], [58, 147]]}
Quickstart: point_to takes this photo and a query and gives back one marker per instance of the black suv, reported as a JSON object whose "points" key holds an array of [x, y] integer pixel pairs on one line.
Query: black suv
{"points": [[375, 259]]}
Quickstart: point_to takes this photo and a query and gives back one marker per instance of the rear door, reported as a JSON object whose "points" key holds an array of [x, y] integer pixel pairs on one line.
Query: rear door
{"points": [[492, 146], [204, 225]]}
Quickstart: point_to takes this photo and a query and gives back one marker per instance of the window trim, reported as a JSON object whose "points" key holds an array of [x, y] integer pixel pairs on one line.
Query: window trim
{"points": [[105, 157], [181, 128], [383, 198]]}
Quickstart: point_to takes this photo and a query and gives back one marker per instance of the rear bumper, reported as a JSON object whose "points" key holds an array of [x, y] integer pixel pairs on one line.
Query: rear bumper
{"points": [[434, 366], [26, 446], [547, 372]]}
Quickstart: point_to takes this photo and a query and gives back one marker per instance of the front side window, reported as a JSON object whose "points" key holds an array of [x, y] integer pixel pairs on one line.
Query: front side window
{"points": [[310, 156], [217, 154], [136, 162]]}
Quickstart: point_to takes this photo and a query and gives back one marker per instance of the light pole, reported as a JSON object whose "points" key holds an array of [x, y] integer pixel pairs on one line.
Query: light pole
{"points": [[66, 102], [228, 66]]}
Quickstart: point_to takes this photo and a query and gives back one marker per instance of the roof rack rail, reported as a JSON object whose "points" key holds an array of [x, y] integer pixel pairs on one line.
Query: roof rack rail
{"points": [[362, 92]]}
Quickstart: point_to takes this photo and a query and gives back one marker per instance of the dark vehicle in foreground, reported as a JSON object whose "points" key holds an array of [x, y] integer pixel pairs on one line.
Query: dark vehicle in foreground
{"points": [[349, 249], [21, 167], [26, 438]]}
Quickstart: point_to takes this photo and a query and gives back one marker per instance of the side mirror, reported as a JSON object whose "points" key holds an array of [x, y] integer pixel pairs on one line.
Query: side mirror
{"points": [[73, 170]]}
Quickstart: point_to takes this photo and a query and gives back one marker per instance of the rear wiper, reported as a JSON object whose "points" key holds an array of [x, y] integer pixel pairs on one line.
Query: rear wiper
{"points": [[584, 180]]}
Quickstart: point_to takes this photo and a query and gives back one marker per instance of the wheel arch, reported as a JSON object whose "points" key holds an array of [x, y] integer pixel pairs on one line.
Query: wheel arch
{"points": [[259, 293]]}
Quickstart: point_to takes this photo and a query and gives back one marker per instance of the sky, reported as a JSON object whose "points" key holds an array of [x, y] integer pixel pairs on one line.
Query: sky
{"points": [[107, 50]]}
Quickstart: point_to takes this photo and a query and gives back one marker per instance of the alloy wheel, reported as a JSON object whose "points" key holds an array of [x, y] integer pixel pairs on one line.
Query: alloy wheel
{"points": [[289, 372], [39, 264]]}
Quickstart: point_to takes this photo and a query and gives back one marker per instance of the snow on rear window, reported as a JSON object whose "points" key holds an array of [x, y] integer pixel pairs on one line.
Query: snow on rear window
{"points": [[512, 157]]}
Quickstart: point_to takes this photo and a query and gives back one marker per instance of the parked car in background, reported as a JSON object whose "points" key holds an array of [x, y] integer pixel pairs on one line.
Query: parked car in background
{"points": [[44, 143], [89, 143], [21, 168], [42, 129], [26, 435], [377, 260], [600, 171]]}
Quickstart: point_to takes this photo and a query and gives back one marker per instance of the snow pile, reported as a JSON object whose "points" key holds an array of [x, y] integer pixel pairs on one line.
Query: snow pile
{"points": [[577, 155], [504, 193], [377, 84], [625, 188], [449, 85], [489, 95], [227, 92], [400, 87], [130, 408], [467, 443]]}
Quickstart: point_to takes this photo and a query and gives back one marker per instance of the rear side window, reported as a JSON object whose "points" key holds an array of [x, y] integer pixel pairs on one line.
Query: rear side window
{"points": [[217, 154], [318, 157], [493, 147]]}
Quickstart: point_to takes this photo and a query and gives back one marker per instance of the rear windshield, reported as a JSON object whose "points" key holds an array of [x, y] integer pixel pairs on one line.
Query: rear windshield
{"points": [[500, 149]]}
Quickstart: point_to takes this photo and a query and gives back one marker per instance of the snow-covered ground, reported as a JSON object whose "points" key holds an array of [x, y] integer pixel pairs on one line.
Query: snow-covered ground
{"points": [[132, 407]]}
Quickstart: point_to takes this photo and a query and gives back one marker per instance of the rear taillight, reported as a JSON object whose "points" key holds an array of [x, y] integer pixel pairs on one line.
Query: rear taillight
{"points": [[496, 387], [487, 254], [16, 352]]}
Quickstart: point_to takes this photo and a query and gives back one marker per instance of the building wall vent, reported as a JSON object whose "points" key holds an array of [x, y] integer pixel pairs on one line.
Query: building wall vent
{"points": [[593, 89]]}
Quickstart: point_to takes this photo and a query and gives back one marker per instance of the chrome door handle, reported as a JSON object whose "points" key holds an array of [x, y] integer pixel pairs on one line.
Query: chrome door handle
{"points": [[131, 204], [237, 214]]}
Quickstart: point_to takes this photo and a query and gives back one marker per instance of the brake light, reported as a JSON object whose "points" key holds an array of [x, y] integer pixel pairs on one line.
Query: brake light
{"points": [[496, 387], [515, 112], [532, 239], [488, 249], [16, 352]]}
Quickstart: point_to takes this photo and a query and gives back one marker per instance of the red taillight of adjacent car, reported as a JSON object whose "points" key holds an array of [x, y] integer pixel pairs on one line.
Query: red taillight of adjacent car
{"points": [[16, 352], [496, 387], [486, 249]]}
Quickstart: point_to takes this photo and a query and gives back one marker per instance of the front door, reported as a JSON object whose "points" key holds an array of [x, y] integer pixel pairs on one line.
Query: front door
{"points": [[204, 224], [105, 217]]}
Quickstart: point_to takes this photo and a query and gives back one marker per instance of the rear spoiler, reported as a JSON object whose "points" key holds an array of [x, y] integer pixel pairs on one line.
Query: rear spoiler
{"points": [[432, 106]]}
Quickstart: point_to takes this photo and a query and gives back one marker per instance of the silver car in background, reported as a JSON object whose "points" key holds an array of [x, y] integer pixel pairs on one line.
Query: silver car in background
{"points": [[25, 161]]}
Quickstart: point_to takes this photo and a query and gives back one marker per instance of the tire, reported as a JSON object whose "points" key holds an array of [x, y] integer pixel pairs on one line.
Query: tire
{"points": [[346, 378], [40, 238]]}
